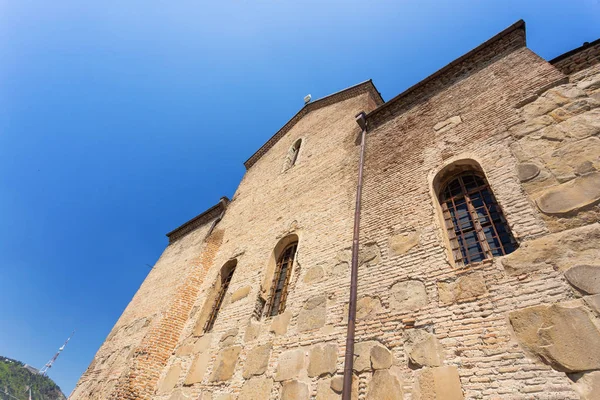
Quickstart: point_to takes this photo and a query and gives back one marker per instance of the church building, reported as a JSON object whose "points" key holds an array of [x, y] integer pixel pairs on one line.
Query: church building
{"points": [[477, 237]]}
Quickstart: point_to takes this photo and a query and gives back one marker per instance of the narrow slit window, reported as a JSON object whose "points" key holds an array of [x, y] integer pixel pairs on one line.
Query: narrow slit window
{"points": [[292, 155], [225, 281], [295, 151], [281, 280], [476, 225]]}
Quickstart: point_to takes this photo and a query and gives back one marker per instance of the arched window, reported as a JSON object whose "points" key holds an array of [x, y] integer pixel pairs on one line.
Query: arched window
{"points": [[292, 155], [225, 276], [281, 279], [476, 225]]}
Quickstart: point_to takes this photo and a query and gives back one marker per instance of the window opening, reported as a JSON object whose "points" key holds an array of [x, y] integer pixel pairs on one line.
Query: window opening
{"points": [[281, 280], [475, 222], [219, 300], [295, 151]]}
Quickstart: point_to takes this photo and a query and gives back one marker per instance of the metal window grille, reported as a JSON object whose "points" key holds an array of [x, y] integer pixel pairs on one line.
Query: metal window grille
{"points": [[281, 280], [219, 300], [475, 222]]}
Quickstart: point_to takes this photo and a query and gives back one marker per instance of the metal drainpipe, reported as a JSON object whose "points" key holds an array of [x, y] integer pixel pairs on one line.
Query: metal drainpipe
{"points": [[349, 359]]}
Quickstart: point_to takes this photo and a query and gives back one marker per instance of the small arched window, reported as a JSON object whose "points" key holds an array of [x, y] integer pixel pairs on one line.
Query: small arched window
{"points": [[281, 280], [225, 276], [292, 155], [475, 222]]}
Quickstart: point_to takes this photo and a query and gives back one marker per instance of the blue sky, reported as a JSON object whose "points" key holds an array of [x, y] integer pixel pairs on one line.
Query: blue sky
{"points": [[121, 120]]}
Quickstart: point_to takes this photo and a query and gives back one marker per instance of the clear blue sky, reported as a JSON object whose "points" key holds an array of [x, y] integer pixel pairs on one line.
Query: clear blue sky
{"points": [[120, 120]]}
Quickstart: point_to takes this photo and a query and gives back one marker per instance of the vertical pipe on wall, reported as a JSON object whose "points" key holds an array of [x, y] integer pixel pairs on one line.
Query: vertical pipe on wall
{"points": [[349, 357]]}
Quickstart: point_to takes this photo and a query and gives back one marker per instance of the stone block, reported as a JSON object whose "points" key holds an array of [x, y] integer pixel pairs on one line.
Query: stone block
{"points": [[563, 337], [225, 364], [257, 388], [170, 380], [592, 83], [225, 396], [447, 124], [565, 159], [527, 171], [577, 128], [550, 133], [587, 385], [240, 294], [531, 126], [295, 390], [465, 288], [423, 349], [572, 196], [408, 295], [369, 254], [197, 370], [438, 383], [314, 274], [203, 343], [402, 243], [228, 338], [381, 357], [280, 323], [179, 395], [184, 350], [541, 106], [322, 360], [563, 94], [575, 108], [560, 251], [257, 360], [325, 392], [337, 385], [364, 355], [593, 302], [252, 331], [585, 278], [367, 308], [384, 386], [289, 365], [313, 314]]}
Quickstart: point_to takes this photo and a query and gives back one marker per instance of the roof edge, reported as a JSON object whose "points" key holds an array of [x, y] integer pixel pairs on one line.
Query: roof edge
{"points": [[199, 220], [365, 86], [519, 25], [574, 51]]}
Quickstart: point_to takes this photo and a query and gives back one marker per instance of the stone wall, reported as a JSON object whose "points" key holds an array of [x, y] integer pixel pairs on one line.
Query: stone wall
{"points": [[520, 326]]}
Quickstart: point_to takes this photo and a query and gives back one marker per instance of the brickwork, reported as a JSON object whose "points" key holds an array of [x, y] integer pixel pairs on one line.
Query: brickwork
{"points": [[426, 328], [579, 59], [146, 316]]}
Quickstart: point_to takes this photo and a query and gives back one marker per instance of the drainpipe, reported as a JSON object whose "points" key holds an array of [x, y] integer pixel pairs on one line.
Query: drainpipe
{"points": [[224, 202], [349, 359]]}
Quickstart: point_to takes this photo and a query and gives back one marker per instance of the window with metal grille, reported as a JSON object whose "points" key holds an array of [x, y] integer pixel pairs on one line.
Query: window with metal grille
{"points": [[281, 280], [476, 225], [226, 276]]}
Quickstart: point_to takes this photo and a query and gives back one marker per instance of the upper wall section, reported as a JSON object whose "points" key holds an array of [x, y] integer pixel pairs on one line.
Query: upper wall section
{"points": [[507, 41], [578, 59], [207, 216], [353, 91]]}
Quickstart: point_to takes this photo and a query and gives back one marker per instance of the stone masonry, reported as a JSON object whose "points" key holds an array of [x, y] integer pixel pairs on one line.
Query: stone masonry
{"points": [[522, 326]]}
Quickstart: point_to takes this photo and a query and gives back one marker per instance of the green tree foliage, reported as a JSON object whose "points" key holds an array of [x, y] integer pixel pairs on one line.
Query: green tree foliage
{"points": [[16, 380]]}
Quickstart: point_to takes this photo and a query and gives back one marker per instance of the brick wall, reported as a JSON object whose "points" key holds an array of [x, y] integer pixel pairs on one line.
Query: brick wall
{"points": [[578, 59]]}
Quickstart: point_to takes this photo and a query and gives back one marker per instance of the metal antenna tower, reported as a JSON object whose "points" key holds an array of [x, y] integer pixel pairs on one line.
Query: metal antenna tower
{"points": [[45, 368]]}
